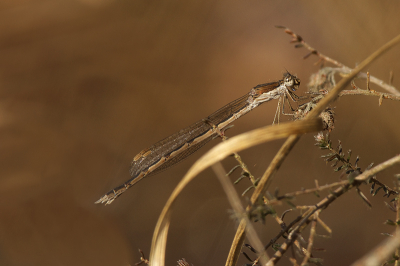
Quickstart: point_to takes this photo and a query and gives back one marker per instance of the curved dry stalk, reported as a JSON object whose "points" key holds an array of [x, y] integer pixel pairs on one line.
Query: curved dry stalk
{"points": [[292, 140], [216, 154]]}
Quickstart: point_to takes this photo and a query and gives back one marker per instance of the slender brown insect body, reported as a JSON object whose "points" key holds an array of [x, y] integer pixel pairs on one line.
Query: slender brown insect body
{"points": [[180, 145]]}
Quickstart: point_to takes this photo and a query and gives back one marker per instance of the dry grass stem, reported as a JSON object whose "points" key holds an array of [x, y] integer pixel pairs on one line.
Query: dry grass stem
{"points": [[216, 154], [292, 140], [234, 201], [382, 252], [292, 130], [239, 237], [323, 204]]}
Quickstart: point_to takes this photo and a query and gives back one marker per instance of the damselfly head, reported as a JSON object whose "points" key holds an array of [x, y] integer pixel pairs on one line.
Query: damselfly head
{"points": [[291, 81]]}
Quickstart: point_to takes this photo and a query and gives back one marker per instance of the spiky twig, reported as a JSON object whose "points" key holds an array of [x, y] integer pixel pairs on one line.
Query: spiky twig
{"points": [[358, 91], [337, 155], [142, 259], [343, 69]]}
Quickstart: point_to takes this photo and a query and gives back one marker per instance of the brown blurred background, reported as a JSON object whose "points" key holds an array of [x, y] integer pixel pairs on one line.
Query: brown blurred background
{"points": [[85, 85]]}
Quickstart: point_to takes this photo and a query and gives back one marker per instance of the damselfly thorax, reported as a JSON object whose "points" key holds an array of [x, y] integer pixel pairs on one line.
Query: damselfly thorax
{"points": [[183, 143]]}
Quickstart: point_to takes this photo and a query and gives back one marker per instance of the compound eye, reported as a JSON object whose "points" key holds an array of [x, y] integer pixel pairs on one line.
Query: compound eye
{"points": [[296, 84], [288, 82]]}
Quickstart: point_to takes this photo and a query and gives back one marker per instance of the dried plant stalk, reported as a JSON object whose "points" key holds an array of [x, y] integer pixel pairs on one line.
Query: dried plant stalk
{"points": [[216, 154], [292, 140]]}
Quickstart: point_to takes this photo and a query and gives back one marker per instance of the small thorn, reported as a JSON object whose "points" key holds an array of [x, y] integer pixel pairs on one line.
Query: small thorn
{"points": [[391, 77]]}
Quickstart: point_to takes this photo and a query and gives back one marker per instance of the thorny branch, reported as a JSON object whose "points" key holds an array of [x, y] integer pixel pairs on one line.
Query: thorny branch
{"points": [[342, 68], [311, 214], [242, 165], [337, 155], [308, 191], [305, 219], [388, 247], [310, 239], [143, 259], [368, 92], [312, 112], [327, 201]]}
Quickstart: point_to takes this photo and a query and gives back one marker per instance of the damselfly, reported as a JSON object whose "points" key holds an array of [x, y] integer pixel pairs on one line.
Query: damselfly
{"points": [[180, 145]]}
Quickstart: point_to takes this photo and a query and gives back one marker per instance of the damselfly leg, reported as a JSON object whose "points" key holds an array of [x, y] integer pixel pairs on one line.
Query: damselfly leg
{"points": [[281, 105], [277, 112]]}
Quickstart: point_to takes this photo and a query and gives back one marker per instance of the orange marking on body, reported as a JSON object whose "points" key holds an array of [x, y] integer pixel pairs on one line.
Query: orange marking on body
{"points": [[141, 154]]}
